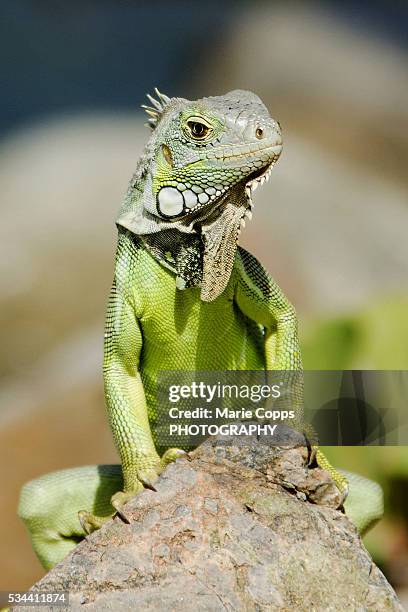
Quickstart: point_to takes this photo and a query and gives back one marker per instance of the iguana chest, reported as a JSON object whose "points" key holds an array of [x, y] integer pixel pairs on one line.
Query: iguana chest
{"points": [[182, 332]]}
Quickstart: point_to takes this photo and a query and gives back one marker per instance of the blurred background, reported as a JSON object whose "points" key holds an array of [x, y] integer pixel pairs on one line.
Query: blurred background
{"points": [[331, 225]]}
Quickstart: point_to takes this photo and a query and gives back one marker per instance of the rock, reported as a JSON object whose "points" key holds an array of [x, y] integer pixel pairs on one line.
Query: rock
{"points": [[233, 529]]}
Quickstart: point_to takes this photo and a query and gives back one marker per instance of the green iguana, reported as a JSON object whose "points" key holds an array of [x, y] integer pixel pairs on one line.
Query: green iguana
{"points": [[184, 297]]}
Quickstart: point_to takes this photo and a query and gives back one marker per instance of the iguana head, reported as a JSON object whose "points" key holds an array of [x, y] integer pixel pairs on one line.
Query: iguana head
{"points": [[196, 176]]}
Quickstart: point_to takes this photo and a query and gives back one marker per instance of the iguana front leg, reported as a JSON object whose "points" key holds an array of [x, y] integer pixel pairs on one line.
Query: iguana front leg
{"points": [[124, 393], [260, 298]]}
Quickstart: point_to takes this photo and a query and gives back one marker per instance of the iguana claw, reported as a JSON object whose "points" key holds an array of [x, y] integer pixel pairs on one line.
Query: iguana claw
{"points": [[119, 500], [147, 478]]}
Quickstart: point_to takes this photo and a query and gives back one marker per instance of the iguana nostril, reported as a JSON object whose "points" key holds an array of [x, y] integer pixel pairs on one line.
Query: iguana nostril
{"points": [[259, 133]]}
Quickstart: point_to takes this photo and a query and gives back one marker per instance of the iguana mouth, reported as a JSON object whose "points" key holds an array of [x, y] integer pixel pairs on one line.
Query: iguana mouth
{"points": [[250, 151], [258, 178], [250, 183]]}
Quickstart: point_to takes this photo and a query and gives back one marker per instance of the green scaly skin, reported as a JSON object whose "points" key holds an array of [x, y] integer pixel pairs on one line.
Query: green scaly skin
{"points": [[184, 297]]}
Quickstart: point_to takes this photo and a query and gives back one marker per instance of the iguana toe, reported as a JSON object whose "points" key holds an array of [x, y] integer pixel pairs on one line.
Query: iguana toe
{"points": [[339, 478], [172, 454], [147, 478], [119, 500], [90, 522]]}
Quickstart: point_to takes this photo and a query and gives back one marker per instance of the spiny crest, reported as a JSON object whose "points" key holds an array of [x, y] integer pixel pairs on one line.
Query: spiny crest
{"points": [[157, 109]]}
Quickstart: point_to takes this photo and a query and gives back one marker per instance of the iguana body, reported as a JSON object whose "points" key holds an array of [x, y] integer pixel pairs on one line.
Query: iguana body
{"points": [[184, 297]]}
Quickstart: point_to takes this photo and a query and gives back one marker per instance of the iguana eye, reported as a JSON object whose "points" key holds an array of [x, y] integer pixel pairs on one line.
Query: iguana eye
{"points": [[197, 129]]}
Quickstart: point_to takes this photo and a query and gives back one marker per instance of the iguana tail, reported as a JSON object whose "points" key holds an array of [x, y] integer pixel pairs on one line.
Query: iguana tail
{"points": [[365, 501]]}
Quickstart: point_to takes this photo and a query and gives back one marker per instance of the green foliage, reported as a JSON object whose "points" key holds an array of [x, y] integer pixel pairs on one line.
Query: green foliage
{"points": [[375, 338]]}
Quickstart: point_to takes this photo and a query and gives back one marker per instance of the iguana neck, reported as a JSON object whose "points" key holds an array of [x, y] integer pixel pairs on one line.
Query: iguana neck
{"points": [[181, 253]]}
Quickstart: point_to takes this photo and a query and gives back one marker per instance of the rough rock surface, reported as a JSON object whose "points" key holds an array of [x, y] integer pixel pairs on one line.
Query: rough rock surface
{"points": [[231, 530]]}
